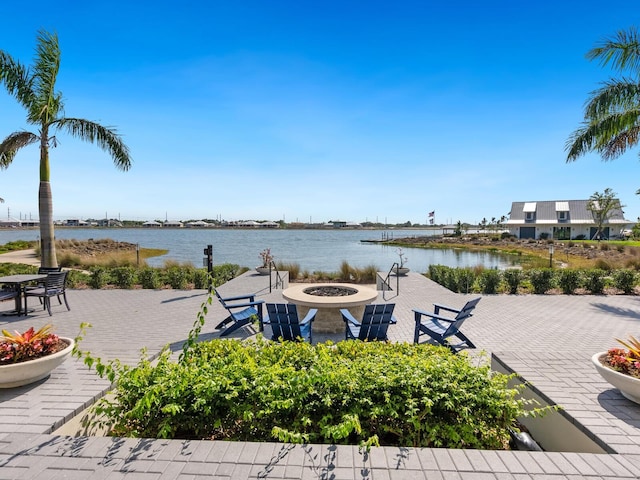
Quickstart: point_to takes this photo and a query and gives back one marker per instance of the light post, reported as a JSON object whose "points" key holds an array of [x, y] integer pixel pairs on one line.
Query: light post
{"points": [[551, 256]]}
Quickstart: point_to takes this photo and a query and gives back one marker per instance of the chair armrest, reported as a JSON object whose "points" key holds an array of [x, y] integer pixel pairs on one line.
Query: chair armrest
{"points": [[347, 317], [437, 307], [239, 297], [419, 313], [393, 320], [310, 317], [247, 304]]}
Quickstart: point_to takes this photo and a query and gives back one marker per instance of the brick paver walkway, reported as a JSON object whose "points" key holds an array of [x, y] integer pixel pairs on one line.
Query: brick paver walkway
{"points": [[547, 339]]}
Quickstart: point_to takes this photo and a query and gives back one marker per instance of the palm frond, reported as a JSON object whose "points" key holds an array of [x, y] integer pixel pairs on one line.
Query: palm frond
{"points": [[16, 79], [106, 138], [620, 143], [14, 142], [622, 50], [46, 65], [614, 96]]}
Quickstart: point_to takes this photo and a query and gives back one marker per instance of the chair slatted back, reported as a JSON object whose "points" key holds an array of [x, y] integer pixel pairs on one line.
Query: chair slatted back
{"points": [[283, 318], [454, 327], [470, 305], [220, 298], [55, 281], [375, 322], [47, 270]]}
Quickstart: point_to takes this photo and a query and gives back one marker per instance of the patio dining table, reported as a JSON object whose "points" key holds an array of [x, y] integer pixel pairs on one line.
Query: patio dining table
{"points": [[18, 282]]}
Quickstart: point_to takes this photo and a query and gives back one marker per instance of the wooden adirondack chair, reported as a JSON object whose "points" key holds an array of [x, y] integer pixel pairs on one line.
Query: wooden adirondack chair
{"points": [[284, 322], [441, 328], [240, 314], [374, 325]]}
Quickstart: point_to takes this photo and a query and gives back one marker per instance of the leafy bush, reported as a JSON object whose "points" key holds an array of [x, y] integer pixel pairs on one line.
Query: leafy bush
{"points": [[123, 277], [177, 277], [569, 281], [541, 279], [594, 280], [490, 280], [75, 278], [200, 279], [463, 280], [149, 278], [366, 393], [513, 277], [225, 272], [624, 280], [99, 277]]}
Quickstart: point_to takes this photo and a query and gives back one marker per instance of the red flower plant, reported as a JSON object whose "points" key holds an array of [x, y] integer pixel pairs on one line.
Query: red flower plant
{"points": [[20, 347], [625, 361]]}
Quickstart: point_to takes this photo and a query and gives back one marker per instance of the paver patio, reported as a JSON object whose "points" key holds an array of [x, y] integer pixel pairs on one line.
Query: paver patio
{"points": [[547, 339]]}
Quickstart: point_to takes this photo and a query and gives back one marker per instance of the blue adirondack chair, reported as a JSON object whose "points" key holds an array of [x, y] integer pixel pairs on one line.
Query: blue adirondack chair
{"points": [[240, 314], [284, 322], [374, 324], [441, 328]]}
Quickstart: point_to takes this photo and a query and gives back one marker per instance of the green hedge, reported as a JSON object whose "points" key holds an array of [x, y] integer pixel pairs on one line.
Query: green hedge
{"points": [[347, 393], [539, 280], [177, 277]]}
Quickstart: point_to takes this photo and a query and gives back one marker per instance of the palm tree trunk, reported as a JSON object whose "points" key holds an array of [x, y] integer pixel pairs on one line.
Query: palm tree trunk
{"points": [[47, 235]]}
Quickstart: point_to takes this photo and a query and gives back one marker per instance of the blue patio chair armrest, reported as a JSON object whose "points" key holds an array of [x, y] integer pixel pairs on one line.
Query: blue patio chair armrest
{"points": [[393, 320], [437, 307], [347, 317], [310, 317], [239, 297], [247, 304], [419, 313]]}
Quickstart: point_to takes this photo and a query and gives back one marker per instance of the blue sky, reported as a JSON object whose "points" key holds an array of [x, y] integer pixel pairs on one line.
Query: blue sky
{"points": [[361, 110]]}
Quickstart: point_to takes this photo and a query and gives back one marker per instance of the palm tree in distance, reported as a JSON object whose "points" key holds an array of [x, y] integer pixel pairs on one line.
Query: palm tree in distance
{"points": [[612, 112], [34, 89]]}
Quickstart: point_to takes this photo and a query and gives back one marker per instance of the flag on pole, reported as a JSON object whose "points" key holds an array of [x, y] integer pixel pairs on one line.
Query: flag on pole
{"points": [[431, 221], [431, 214]]}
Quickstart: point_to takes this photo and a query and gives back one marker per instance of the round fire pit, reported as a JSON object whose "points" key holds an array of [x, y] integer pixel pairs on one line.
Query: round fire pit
{"points": [[329, 298]]}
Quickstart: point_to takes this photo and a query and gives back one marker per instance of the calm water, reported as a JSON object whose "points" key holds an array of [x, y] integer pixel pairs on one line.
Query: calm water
{"points": [[311, 249]]}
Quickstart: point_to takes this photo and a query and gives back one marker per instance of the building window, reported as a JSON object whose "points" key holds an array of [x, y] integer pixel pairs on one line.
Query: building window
{"points": [[562, 216], [529, 216]]}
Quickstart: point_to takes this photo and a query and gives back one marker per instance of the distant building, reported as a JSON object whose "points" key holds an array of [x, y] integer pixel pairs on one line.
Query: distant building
{"points": [[152, 224], [562, 220], [109, 222], [171, 224]]}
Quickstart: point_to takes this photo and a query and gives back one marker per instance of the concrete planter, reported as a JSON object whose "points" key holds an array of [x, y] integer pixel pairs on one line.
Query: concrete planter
{"points": [[263, 270], [400, 271], [24, 373], [629, 386]]}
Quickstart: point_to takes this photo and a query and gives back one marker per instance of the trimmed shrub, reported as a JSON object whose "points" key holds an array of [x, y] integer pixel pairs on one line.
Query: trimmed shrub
{"points": [[200, 279], [367, 393], [513, 277], [541, 280], [569, 281], [75, 278], [123, 277], [149, 278], [490, 280], [624, 280], [594, 280], [99, 277], [177, 277]]}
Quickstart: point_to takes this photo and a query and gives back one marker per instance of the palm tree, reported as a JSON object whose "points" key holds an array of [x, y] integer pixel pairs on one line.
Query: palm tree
{"points": [[34, 89], [612, 112]]}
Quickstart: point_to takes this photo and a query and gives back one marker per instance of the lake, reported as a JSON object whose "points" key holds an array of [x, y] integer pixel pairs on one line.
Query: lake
{"points": [[313, 250]]}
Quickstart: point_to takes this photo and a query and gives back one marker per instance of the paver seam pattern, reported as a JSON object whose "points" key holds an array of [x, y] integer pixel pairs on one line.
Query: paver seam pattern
{"points": [[546, 339]]}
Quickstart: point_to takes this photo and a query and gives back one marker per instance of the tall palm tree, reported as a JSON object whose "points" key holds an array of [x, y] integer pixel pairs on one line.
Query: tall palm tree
{"points": [[612, 112], [34, 89]]}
